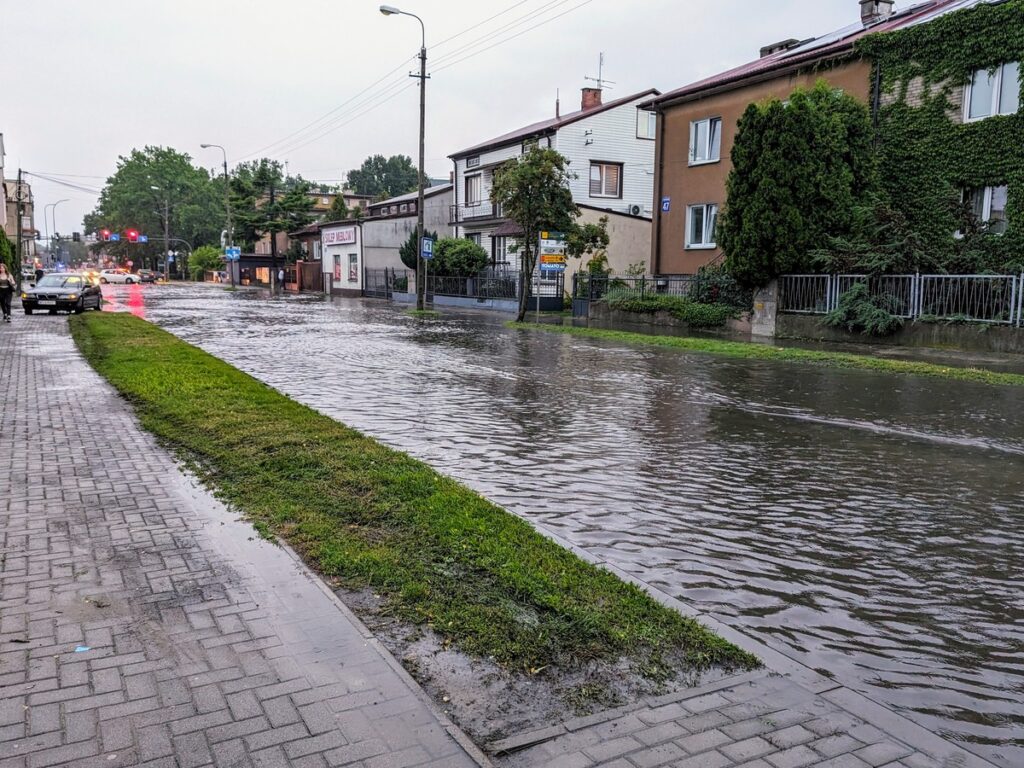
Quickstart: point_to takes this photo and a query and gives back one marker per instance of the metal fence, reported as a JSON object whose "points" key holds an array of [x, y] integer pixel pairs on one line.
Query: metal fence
{"points": [[995, 299], [493, 283], [382, 283]]}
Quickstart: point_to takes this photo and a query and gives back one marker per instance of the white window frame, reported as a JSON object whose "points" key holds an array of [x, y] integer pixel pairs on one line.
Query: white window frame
{"points": [[650, 122], [986, 206], [692, 158], [997, 92], [601, 165], [703, 209]]}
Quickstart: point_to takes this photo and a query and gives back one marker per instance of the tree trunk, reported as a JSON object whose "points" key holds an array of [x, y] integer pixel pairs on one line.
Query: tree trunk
{"points": [[525, 276]]}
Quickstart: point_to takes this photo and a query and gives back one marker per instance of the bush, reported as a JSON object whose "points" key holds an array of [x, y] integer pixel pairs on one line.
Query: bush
{"points": [[859, 311], [717, 286], [694, 314], [458, 257]]}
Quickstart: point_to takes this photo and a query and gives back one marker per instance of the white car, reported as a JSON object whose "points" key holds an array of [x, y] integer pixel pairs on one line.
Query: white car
{"points": [[118, 276]]}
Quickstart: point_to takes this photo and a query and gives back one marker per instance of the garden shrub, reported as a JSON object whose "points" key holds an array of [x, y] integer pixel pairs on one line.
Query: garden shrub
{"points": [[694, 314], [859, 311]]}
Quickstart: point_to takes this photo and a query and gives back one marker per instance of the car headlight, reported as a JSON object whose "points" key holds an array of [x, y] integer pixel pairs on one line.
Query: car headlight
{"points": [[24, 295], [72, 296]]}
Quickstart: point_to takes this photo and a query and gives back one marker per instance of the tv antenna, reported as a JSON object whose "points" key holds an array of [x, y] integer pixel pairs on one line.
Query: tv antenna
{"points": [[601, 82]]}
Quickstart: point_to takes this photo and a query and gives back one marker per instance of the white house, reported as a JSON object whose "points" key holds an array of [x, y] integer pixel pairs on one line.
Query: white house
{"points": [[341, 248], [610, 148]]}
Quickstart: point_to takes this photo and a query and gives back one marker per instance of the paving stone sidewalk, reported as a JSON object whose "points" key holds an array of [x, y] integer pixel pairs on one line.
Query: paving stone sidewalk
{"points": [[141, 624]]}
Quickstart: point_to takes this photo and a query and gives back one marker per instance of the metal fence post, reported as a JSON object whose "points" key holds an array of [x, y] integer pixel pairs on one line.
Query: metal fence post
{"points": [[643, 286], [1020, 302]]}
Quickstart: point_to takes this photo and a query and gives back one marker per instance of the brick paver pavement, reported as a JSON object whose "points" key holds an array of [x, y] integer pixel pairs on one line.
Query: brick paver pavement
{"points": [[141, 624]]}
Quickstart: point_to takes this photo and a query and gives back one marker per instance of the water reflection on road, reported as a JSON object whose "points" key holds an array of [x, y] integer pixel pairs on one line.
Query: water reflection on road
{"points": [[867, 524]]}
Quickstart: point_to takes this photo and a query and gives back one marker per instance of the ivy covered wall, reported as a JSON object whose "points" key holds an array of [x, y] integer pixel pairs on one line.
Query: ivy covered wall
{"points": [[927, 154]]}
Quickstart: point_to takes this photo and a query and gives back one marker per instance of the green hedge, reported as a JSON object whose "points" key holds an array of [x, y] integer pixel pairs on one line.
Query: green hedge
{"points": [[690, 312]]}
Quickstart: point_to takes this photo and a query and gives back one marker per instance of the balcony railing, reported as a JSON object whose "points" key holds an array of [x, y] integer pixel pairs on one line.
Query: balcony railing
{"points": [[484, 209]]}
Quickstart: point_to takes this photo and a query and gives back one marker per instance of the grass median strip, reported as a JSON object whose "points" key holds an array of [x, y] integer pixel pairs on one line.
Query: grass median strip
{"points": [[753, 351], [370, 516]]}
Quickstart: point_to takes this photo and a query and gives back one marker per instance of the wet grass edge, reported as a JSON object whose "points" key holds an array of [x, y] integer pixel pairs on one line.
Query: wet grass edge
{"points": [[753, 351], [367, 516]]}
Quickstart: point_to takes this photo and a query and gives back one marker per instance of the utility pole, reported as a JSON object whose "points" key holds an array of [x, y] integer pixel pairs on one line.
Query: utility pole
{"points": [[273, 243], [421, 264], [227, 207], [167, 236], [20, 207]]}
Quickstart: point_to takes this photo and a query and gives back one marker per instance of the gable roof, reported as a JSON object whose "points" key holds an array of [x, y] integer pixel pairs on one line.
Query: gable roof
{"points": [[551, 125], [836, 44]]}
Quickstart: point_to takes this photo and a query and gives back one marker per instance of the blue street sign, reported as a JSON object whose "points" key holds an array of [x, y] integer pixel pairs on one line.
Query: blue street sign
{"points": [[666, 204], [234, 253], [427, 251], [143, 238], [170, 257], [114, 237]]}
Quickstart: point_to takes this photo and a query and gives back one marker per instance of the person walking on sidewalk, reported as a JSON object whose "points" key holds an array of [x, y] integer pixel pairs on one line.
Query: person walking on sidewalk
{"points": [[7, 286]]}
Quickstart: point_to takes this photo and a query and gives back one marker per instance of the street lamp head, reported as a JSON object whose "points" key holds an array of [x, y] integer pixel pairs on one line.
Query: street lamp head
{"points": [[389, 10], [154, 186], [205, 146]]}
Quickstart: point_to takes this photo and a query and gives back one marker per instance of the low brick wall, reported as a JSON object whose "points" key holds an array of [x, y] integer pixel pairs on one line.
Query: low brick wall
{"points": [[973, 337]]}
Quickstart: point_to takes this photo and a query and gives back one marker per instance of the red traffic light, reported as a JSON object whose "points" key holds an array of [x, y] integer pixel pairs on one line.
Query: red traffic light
{"points": [[105, 234], [132, 235]]}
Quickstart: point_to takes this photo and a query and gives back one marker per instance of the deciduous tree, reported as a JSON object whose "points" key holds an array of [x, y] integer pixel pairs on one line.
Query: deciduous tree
{"points": [[380, 177]]}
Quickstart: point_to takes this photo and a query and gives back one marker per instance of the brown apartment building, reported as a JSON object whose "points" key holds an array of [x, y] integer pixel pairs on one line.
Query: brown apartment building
{"points": [[696, 124]]}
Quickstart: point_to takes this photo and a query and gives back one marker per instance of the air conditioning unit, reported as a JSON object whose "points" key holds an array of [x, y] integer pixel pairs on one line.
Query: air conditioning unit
{"points": [[635, 210]]}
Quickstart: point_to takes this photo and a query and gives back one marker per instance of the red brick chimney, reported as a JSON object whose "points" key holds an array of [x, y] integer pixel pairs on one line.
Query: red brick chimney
{"points": [[591, 98]]}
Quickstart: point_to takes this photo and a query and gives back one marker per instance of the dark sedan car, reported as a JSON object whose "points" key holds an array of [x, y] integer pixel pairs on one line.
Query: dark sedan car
{"points": [[148, 276], [62, 291]]}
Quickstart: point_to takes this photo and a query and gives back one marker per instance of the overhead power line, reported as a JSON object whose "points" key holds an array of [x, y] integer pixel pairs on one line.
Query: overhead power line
{"points": [[369, 99], [512, 37]]}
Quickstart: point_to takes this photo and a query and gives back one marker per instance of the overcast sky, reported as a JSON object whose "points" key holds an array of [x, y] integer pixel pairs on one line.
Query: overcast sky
{"points": [[87, 80]]}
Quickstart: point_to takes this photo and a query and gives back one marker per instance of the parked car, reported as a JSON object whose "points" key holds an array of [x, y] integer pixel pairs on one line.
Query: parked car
{"points": [[118, 276], [148, 276], [62, 291]]}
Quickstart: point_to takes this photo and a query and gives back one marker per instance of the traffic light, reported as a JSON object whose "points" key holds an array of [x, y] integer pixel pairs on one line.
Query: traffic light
{"points": [[38, 235], [132, 235], [76, 237], [105, 234]]}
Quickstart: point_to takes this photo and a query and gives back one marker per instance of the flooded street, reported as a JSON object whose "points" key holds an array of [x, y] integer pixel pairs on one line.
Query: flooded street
{"points": [[867, 524]]}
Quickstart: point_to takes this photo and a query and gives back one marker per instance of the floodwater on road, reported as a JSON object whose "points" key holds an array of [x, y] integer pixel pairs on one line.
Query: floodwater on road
{"points": [[867, 524]]}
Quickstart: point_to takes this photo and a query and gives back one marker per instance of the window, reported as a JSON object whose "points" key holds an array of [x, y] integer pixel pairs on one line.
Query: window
{"points": [[646, 124], [337, 267], [995, 92], [499, 251], [706, 141], [473, 162], [353, 267], [988, 204], [473, 188], [412, 207], [700, 225], [403, 208], [606, 180], [394, 209], [475, 237], [325, 201]]}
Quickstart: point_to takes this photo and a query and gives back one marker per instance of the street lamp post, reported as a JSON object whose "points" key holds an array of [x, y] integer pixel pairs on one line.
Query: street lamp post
{"points": [[53, 213], [227, 205], [421, 277]]}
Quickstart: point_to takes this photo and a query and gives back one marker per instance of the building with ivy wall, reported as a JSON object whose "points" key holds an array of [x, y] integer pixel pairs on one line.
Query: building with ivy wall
{"points": [[943, 81]]}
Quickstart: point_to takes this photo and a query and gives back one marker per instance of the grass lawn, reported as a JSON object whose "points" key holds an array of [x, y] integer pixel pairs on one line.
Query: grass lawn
{"points": [[372, 517], [765, 352]]}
